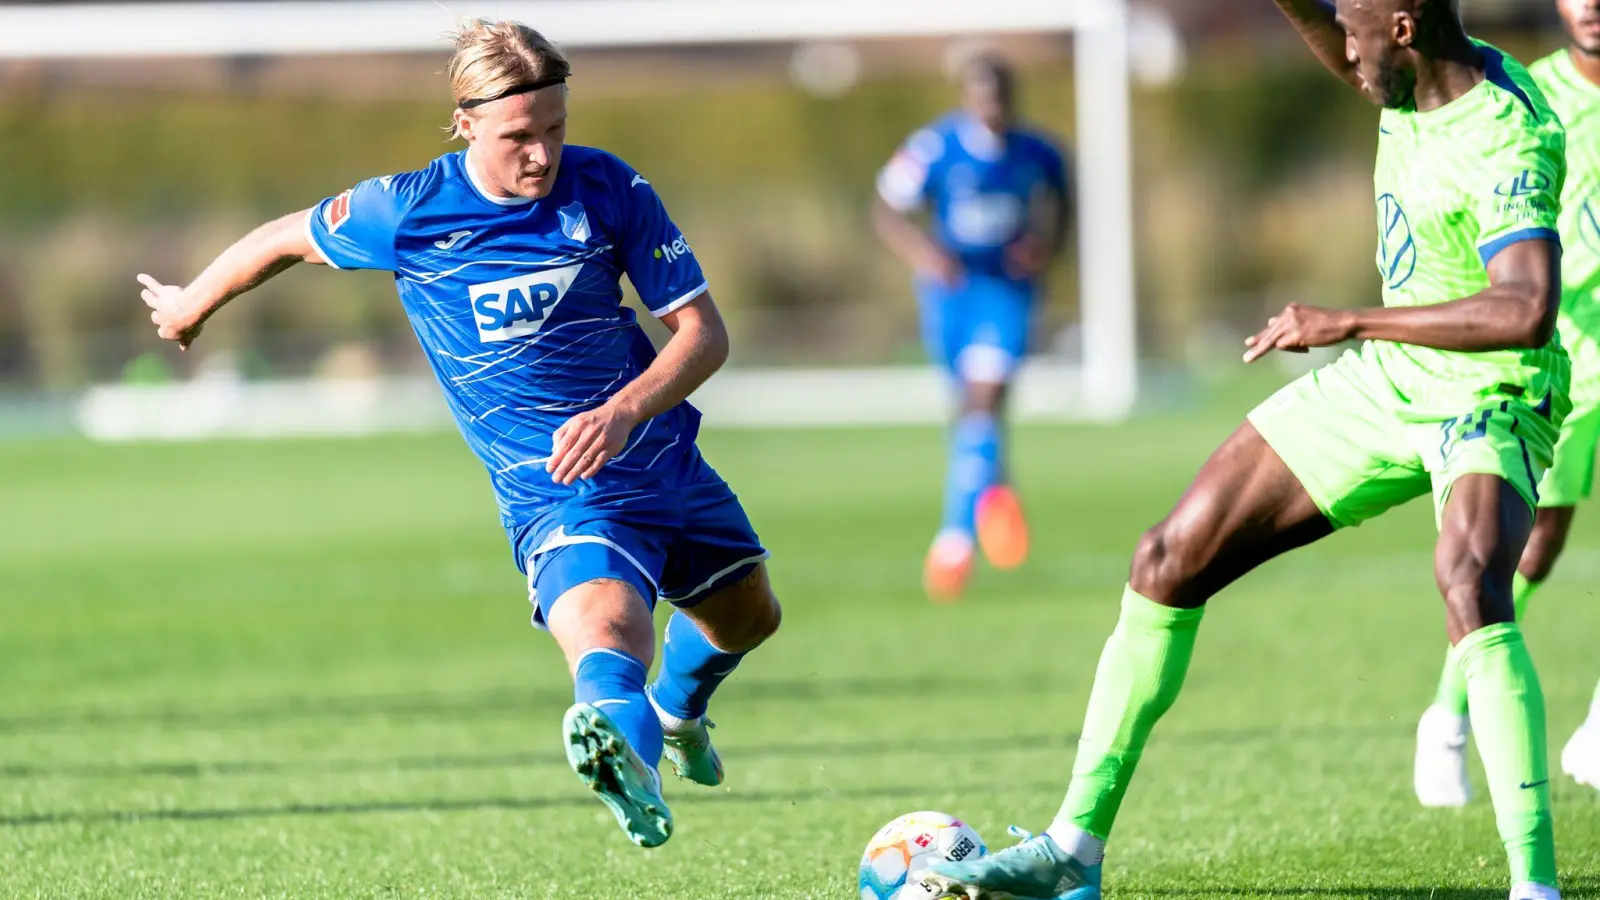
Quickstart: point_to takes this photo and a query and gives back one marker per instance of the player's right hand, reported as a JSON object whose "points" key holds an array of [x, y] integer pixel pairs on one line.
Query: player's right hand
{"points": [[943, 268], [1300, 327], [173, 319]]}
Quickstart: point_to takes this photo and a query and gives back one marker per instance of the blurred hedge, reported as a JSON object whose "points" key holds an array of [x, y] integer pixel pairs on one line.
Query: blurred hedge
{"points": [[1252, 173]]}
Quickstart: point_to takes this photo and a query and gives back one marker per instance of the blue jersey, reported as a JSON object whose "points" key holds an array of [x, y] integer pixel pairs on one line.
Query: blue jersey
{"points": [[518, 306], [981, 190]]}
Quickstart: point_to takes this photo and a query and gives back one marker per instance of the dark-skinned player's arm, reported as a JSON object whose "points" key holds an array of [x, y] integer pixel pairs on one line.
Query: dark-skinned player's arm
{"points": [[180, 312], [912, 244], [1517, 310], [697, 349], [1051, 214], [1318, 24]]}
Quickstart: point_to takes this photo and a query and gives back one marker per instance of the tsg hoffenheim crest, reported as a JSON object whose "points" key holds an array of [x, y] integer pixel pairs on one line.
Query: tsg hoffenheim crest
{"points": [[574, 222]]}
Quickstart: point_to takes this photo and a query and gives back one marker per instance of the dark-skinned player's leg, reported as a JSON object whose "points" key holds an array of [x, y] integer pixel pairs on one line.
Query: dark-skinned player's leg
{"points": [[1483, 529], [1328, 450], [980, 333], [1439, 773], [1002, 530], [1244, 508]]}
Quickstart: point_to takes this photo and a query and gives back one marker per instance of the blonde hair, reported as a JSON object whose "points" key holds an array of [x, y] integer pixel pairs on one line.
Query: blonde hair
{"points": [[494, 57]]}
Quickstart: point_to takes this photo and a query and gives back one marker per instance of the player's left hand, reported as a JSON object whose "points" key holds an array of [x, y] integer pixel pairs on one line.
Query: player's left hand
{"points": [[586, 442], [1027, 257], [1299, 328]]}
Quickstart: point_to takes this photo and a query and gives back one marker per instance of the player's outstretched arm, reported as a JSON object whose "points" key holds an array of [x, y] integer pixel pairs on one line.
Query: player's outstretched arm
{"points": [[912, 244], [697, 349], [1318, 24], [1517, 310], [180, 312]]}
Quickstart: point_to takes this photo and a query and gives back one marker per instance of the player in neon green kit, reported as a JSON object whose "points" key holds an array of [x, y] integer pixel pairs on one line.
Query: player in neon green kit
{"points": [[1458, 391], [1570, 79]]}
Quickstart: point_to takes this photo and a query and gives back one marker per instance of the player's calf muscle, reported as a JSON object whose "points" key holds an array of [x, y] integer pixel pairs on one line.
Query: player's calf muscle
{"points": [[1486, 525]]}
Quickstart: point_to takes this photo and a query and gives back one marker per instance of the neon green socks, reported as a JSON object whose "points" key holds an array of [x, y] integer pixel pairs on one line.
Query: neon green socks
{"points": [[1508, 723], [1452, 693], [1141, 671]]}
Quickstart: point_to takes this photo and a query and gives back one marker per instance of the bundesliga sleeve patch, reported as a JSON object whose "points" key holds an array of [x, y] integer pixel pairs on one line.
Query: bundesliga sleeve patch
{"points": [[338, 212]]}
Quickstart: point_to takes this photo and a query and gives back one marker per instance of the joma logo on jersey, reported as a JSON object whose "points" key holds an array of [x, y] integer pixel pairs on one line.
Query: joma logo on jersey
{"points": [[519, 306], [671, 252], [1397, 250]]}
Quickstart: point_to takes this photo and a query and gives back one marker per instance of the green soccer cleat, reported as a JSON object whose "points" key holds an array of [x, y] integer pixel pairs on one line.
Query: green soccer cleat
{"points": [[692, 755], [1035, 869], [689, 748], [600, 755]]}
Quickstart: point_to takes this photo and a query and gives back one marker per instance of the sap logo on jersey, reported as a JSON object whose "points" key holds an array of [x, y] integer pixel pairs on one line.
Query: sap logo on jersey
{"points": [[519, 306], [671, 252], [984, 220]]}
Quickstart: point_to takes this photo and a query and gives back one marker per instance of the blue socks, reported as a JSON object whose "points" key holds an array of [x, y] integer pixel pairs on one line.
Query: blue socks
{"points": [[974, 467], [613, 682], [691, 670]]}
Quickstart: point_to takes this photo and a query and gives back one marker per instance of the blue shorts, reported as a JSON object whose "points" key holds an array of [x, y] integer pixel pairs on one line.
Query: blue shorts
{"points": [[978, 330], [683, 537]]}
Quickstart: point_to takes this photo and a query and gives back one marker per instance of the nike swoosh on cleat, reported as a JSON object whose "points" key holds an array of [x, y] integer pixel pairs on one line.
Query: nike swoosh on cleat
{"points": [[601, 704], [1527, 786]]}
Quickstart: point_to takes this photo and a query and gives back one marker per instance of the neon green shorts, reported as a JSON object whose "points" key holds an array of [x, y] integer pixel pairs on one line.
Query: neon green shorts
{"points": [[1571, 476], [1360, 448]]}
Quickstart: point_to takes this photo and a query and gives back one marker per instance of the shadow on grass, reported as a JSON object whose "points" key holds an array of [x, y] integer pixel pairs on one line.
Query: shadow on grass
{"points": [[1580, 886], [492, 701], [816, 749], [183, 814]]}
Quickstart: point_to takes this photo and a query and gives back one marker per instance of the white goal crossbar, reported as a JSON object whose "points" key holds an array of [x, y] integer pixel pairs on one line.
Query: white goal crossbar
{"points": [[1109, 383]]}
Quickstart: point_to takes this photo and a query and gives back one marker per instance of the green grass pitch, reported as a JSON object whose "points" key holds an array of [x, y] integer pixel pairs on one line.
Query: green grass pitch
{"points": [[305, 669]]}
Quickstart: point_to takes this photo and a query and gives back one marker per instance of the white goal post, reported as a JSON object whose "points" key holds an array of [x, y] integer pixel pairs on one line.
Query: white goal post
{"points": [[1103, 154]]}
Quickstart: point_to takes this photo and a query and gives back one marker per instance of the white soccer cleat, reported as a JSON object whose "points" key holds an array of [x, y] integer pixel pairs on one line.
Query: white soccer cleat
{"points": [[1527, 890], [1440, 774], [1581, 757]]}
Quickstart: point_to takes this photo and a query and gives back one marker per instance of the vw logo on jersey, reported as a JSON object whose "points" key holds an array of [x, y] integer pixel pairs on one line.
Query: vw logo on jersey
{"points": [[1589, 225], [574, 221], [519, 306], [1397, 251]]}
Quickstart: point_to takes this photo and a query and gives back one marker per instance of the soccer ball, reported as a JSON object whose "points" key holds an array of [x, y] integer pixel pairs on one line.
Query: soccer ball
{"points": [[900, 850]]}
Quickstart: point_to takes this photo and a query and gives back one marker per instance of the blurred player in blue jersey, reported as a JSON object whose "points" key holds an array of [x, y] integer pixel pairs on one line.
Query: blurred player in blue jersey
{"points": [[997, 208], [507, 257]]}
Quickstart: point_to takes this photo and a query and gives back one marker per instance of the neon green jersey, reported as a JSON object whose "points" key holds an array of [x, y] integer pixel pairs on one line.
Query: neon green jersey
{"points": [[1454, 186], [1576, 100]]}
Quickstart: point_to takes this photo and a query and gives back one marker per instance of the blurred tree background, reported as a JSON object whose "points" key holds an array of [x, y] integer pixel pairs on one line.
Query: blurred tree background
{"points": [[1252, 178]]}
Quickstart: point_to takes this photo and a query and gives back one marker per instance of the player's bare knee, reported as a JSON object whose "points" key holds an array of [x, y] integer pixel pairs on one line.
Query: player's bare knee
{"points": [[1164, 563], [1539, 559], [982, 397], [741, 616], [766, 615], [1545, 543]]}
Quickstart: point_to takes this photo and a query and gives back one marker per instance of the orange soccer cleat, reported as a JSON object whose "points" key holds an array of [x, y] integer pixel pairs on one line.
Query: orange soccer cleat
{"points": [[1002, 530], [949, 563]]}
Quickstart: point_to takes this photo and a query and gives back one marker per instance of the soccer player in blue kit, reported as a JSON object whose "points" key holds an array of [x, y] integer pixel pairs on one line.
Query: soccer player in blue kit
{"points": [[997, 200], [507, 257]]}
